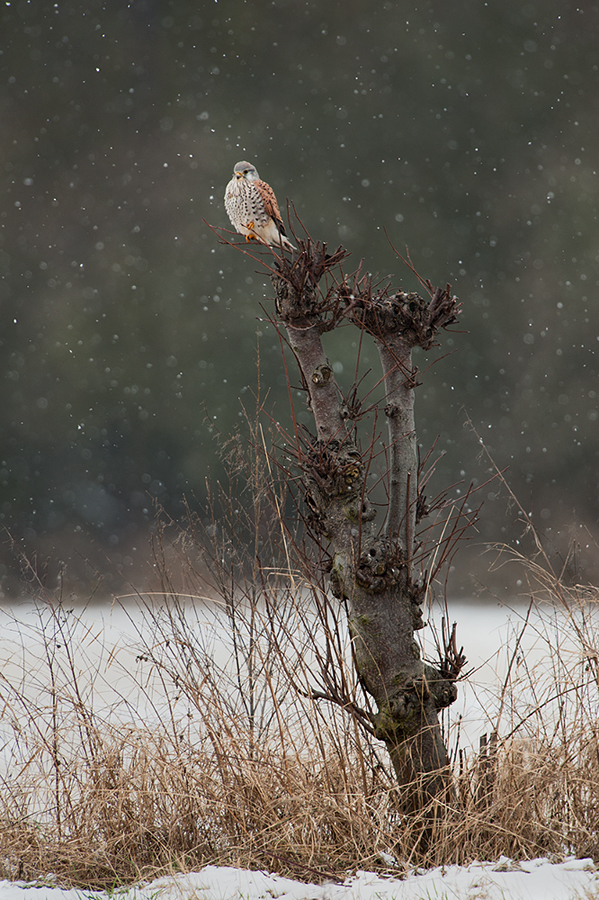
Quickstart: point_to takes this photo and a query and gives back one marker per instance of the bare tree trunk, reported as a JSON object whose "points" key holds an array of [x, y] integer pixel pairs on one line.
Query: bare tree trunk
{"points": [[373, 567]]}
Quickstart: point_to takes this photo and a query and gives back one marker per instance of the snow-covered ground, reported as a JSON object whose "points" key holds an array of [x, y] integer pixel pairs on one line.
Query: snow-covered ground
{"points": [[534, 880]]}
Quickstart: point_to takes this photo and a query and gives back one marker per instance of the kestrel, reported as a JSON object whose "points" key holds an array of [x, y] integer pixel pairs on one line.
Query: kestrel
{"points": [[253, 209]]}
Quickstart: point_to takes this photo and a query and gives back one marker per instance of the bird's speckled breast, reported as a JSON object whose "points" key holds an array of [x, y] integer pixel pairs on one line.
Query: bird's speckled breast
{"points": [[244, 203]]}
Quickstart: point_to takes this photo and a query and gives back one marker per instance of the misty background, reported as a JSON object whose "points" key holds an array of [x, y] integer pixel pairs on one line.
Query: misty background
{"points": [[467, 132]]}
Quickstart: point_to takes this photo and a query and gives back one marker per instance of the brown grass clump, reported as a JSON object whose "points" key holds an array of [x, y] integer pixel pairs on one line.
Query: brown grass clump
{"points": [[534, 788]]}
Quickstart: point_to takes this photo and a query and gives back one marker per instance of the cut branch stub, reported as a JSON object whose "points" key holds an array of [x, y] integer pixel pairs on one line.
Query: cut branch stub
{"points": [[334, 475], [379, 567], [394, 719], [296, 304], [298, 299], [408, 314], [336, 468]]}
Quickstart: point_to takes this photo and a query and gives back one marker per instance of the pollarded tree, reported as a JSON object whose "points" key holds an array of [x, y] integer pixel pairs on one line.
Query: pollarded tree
{"points": [[377, 570]]}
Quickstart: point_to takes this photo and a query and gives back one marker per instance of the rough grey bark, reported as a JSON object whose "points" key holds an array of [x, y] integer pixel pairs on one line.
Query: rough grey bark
{"points": [[372, 566]]}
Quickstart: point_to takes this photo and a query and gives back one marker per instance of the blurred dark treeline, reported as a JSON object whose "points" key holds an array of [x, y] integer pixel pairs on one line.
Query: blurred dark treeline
{"points": [[468, 131]]}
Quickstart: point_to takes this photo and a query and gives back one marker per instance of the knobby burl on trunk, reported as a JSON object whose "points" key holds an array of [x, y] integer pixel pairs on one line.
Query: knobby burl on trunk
{"points": [[372, 565]]}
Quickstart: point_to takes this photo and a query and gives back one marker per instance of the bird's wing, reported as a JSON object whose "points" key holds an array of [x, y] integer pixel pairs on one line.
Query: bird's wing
{"points": [[271, 207]]}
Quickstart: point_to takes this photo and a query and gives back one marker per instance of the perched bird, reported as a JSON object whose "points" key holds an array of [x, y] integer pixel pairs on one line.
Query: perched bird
{"points": [[253, 209]]}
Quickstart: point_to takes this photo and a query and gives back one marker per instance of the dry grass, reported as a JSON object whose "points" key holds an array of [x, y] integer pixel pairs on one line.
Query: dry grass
{"points": [[231, 766], [226, 756], [536, 782], [237, 731]]}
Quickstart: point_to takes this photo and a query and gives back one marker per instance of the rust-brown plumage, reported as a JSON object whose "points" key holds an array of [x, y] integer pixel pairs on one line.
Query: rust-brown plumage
{"points": [[253, 209]]}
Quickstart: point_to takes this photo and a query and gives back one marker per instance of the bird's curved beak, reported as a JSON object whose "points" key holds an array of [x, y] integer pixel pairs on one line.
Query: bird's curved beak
{"points": [[238, 175]]}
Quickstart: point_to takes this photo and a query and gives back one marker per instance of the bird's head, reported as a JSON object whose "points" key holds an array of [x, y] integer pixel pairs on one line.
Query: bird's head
{"points": [[245, 170]]}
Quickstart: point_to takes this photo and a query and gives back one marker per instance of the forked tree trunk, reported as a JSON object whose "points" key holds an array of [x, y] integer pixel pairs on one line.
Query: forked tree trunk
{"points": [[373, 566]]}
